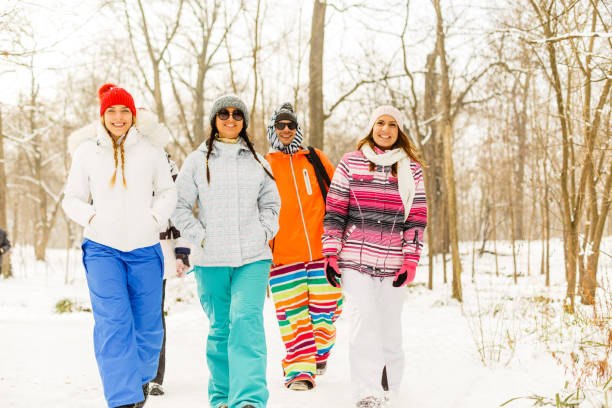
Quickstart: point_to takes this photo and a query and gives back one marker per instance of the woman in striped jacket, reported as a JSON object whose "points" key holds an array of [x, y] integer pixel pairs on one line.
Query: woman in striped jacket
{"points": [[373, 234]]}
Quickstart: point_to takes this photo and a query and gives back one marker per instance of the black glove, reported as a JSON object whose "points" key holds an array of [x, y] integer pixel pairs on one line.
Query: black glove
{"points": [[331, 271], [400, 279], [182, 253]]}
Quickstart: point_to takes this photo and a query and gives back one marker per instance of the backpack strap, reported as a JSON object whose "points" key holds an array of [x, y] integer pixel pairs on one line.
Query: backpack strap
{"points": [[322, 176]]}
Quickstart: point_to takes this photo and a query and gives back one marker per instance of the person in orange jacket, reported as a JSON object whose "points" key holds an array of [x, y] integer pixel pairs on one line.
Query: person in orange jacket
{"points": [[306, 304]]}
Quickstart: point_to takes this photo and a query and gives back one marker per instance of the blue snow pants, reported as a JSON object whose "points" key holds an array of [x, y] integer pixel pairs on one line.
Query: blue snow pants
{"points": [[233, 299], [126, 293]]}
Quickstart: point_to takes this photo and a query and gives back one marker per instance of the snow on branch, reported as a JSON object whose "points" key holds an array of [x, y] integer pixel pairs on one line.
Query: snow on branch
{"points": [[52, 158], [55, 197]]}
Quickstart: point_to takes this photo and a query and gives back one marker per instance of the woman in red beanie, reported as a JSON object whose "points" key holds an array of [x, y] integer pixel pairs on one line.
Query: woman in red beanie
{"points": [[121, 251]]}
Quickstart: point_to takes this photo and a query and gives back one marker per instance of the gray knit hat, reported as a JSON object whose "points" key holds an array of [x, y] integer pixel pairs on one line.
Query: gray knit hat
{"points": [[286, 112], [229, 101]]}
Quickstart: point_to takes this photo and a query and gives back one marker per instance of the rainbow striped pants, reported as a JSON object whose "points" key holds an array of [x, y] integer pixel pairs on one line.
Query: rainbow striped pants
{"points": [[306, 308]]}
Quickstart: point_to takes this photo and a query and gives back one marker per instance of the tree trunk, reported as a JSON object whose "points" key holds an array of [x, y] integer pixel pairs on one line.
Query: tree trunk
{"points": [[433, 223], [432, 151], [570, 212], [589, 283], [257, 131], [316, 134], [6, 259], [510, 191], [571, 253], [198, 100], [521, 117], [447, 139]]}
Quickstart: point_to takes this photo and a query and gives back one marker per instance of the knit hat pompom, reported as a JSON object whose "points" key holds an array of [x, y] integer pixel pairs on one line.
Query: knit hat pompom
{"points": [[110, 95], [104, 89], [229, 101], [386, 110], [286, 112]]}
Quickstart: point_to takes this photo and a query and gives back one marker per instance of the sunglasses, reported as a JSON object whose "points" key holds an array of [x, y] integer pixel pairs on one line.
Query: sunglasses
{"points": [[224, 115], [281, 125]]}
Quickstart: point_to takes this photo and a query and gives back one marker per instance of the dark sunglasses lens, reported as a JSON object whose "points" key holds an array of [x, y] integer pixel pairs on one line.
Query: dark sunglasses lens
{"points": [[290, 125], [238, 115], [223, 114]]}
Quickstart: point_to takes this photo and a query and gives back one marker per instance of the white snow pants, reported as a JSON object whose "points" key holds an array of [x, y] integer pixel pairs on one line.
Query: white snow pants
{"points": [[375, 333]]}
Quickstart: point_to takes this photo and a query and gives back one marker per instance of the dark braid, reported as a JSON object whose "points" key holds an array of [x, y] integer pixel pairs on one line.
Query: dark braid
{"points": [[245, 136], [211, 139]]}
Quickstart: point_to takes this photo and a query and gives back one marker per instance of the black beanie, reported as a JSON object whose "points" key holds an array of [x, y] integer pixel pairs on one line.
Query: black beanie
{"points": [[286, 113]]}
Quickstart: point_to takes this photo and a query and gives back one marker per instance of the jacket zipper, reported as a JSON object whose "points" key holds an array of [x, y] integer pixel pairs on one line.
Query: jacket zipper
{"points": [[300, 204]]}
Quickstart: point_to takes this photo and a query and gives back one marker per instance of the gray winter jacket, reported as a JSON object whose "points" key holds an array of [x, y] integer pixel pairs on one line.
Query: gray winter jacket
{"points": [[237, 212]]}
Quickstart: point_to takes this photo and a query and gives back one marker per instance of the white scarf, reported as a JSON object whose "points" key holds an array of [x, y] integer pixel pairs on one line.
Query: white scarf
{"points": [[405, 178]]}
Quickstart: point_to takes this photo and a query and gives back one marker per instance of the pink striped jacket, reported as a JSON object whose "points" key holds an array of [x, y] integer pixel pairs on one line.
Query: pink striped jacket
{"points": [[364, 221]]}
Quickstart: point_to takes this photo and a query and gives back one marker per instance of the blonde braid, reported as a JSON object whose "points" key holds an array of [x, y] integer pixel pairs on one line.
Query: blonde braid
{"points": [[112, 181], [123, 162]]}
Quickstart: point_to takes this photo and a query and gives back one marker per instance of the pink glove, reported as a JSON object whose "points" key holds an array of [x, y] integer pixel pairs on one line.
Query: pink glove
{"points": [[406, 274], [332, 272]]}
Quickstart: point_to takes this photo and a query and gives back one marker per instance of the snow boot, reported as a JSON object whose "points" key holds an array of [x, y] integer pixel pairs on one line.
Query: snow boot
{"points": [[155, 389], [300, 385]]}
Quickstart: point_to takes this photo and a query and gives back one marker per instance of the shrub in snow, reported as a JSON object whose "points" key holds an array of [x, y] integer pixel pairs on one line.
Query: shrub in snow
{"points": [[67, 305]]}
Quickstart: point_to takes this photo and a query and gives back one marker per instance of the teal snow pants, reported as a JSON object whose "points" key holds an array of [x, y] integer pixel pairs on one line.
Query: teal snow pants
{"points": [[233, 299], [126, 292]]}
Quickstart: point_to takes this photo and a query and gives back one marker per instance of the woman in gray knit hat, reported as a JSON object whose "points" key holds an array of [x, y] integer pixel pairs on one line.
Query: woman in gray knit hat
{"points": [[238, 214]]}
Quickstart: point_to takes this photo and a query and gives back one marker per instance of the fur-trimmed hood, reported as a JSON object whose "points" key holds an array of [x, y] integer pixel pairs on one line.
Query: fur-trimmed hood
{"points": [[147, 125]]}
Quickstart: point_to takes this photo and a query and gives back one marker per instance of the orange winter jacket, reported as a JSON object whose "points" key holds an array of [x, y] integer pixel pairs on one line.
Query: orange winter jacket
{"points": [[302, 207]]}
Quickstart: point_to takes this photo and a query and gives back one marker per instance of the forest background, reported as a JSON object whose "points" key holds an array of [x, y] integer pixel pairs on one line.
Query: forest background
{"points": [[508, 103]]}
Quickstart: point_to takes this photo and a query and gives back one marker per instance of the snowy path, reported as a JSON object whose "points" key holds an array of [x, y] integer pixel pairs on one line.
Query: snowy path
{"points": [[46, 359]]}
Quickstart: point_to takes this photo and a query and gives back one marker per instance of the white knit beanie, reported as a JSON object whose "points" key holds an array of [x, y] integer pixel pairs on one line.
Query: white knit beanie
{"points": [[386, 110]]}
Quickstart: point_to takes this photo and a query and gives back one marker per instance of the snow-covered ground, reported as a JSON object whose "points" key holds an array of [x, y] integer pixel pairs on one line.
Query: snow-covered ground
{"points": [[46, 358]]}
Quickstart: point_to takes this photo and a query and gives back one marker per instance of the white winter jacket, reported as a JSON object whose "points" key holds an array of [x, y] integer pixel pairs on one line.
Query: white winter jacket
{"points": [[126, 218]]}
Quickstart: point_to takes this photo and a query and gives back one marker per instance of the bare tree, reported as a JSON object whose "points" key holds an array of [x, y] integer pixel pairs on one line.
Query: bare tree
{"points": [[204, 37], [155, 53], [447, 138], [315, 70], [577, 194]]}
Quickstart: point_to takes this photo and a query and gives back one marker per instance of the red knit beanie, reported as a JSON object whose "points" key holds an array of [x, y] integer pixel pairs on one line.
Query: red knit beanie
{"points": [[111, 94]]}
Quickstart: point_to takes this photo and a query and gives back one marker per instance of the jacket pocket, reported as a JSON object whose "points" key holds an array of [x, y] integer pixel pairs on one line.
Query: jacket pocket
{"points": [[265, 234], [363, 178], [307, 182]]}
